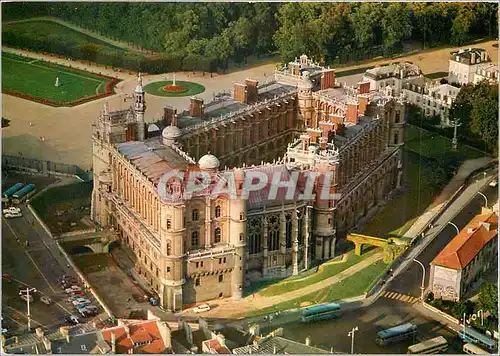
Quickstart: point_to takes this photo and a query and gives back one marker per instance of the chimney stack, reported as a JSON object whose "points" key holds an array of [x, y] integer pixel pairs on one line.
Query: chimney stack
{"points": [[328, 79], [196, 107], [352, 113], [364, 87], [240, 93], [252, 90]]}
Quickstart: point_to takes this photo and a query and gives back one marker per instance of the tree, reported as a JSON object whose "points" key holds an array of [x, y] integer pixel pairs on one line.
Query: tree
{"points": [[477, 108], [396, 25], [488, 298]]}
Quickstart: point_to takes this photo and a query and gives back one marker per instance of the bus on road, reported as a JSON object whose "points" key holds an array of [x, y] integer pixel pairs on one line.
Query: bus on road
{"points": [[473, 336], [9, 192], [437, 345], [397, 333], [472, 349], [23, 193], [320, 312]]}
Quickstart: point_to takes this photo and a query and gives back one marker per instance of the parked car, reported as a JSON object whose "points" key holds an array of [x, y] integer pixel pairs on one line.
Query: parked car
{"points": [[73, 289], [89, 310], [12, 210], [71, 319], [45, 300], [78, 294], [80, 306], [81, 301], [25, 298], [73, 297], [13, 215], [6, 277], [493, 183], [202, 308]]}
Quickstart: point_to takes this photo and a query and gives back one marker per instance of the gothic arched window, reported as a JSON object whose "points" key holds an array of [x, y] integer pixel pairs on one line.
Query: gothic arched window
{"points": [[255, 236], [273, 233], [194, 215], [218, 235], [195, 241], [217, 211], [289, 232]]}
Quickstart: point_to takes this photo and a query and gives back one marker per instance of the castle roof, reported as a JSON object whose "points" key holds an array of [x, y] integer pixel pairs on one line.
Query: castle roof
{"points": [[142, 337], [260, 198], [465, 56], [468, 243], [152, 158]]}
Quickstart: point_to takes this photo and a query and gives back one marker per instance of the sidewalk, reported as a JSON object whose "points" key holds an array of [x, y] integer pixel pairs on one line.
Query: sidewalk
{"points": [[458, 180], [228, 308]]}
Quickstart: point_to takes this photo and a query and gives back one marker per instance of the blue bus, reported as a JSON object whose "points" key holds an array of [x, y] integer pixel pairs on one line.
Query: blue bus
{"points": [[23, 193], [473, 336], [320, 312], [397, 333], [9, 192]]}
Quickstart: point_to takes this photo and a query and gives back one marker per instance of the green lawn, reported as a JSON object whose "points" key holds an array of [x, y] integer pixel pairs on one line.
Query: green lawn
{"points": [[401, 212], [50, 31], [432, 145], [327, 270], [352, 286], [190, 88], [37, 78]]}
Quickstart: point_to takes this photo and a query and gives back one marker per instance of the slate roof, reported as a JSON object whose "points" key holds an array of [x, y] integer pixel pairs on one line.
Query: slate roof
{"points": [[152, 158], [261, 197], [465, 56], [468, 243], [278, 345]]}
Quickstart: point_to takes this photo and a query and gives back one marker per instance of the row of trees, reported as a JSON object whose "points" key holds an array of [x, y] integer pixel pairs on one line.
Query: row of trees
{"points": [[476, 106], [207, 35]]}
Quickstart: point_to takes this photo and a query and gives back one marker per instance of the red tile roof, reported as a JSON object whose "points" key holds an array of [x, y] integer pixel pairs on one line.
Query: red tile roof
{"points": [[468, 243], [145, 335], [215, 345]]}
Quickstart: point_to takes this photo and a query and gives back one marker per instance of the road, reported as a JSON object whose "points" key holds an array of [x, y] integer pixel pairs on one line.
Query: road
{"points": [[395, 305], [410, 281], [38, 264]]}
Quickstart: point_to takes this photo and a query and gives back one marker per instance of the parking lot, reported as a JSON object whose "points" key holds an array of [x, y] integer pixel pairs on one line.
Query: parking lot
{"points": [[112, 284], [31, 259]]}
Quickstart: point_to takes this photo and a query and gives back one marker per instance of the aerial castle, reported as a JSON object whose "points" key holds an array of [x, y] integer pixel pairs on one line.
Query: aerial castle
{"points": [[201, 246]]}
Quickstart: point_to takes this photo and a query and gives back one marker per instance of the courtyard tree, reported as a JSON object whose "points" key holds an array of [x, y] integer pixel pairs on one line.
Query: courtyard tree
{"points": [[488, 299]]}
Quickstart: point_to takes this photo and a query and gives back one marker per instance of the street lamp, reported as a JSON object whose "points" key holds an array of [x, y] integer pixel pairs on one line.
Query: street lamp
{"points": [[27, 291], [423, 279], [455, 226], [454, 142], [351, 334], [485, 199]]}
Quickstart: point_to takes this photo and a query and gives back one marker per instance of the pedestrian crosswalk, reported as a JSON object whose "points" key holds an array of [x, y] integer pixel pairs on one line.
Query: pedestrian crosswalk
{"points": [[401, 297]]}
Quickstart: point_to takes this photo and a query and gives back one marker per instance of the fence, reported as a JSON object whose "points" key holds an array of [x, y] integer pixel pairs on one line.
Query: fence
{"points": [[34, 165]]}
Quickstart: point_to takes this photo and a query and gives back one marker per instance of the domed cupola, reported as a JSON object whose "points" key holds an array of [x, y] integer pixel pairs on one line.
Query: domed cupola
{"points": [[209, 162], [170, 134]]}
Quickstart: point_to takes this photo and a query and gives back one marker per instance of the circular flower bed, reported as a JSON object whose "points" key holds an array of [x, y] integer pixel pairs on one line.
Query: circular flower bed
{"points": [[167, 88], [174, 88]]}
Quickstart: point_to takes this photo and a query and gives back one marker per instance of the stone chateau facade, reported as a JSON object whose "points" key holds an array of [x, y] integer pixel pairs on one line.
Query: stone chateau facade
{"points": [[209, 246]]}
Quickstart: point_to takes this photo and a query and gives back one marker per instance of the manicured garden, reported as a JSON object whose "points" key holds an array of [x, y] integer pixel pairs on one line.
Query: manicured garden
{"points": [[35, 80], [355, 285], [326, 270], [167, 88]]}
